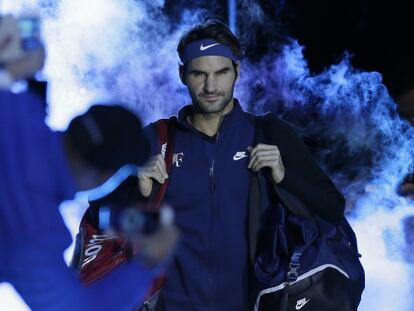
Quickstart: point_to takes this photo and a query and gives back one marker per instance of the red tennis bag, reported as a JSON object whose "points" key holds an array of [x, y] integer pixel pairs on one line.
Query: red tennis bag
{"points": [[96, 254]]}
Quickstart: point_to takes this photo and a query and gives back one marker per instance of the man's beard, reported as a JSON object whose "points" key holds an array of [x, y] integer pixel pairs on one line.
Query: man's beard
{"points": [[206, 107]]}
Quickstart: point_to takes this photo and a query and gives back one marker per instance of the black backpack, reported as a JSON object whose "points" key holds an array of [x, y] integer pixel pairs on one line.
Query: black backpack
{"points": [[300, 261]]}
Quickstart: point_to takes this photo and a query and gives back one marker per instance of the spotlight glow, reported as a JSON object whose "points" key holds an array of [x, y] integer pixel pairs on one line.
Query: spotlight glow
{"points": [[125, 50]]}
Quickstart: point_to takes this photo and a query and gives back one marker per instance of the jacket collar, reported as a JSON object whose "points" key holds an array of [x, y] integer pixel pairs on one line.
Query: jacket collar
{"points": [[228, 121]]}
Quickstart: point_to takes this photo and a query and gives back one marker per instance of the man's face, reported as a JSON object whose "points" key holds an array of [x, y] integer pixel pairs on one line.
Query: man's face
{"points": [[210, 81]]}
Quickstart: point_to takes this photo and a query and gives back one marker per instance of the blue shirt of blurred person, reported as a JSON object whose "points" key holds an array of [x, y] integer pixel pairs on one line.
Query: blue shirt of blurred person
{"points": [[35, 179]]}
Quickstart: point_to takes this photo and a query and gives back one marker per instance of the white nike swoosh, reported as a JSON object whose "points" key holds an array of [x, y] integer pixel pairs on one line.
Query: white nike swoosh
{"points": [[301, 305], [202, 48], [239, 156]]}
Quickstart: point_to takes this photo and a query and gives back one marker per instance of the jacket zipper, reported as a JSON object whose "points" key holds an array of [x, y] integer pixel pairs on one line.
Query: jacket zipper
{"points": [[212, 191]]}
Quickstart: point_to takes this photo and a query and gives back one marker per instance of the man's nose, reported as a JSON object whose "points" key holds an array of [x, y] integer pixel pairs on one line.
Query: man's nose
{"points": [[210, 84]]}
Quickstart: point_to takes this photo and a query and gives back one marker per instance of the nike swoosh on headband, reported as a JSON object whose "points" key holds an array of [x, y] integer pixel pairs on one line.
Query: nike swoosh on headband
{"points": [[206, 47], [203, 48]]}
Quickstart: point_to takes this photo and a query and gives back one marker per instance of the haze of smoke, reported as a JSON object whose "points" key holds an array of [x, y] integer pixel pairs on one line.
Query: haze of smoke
{"points": [[364, 146], [103, 49]]}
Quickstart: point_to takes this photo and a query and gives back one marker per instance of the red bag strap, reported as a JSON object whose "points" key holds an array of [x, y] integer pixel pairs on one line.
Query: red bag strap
{"points": [[114, 252], [165, 146]]}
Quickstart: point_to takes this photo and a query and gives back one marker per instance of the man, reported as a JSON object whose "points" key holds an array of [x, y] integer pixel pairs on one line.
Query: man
{"points": [[214, 160], [39, 169]]}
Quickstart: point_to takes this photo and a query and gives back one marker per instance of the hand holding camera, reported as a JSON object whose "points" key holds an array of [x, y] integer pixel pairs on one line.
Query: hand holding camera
{"points": [[149, 230], [21, 51]]}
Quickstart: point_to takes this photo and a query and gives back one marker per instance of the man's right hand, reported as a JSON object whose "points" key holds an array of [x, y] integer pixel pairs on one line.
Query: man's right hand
{"points": [[153, 169]]}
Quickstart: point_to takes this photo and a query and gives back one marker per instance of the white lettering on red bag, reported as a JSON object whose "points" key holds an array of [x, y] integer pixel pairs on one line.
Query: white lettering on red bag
{"points": [[94, 246]]}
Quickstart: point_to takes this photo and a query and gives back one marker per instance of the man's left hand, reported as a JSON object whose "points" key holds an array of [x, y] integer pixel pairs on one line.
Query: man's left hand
{"points": [[263, 155]]}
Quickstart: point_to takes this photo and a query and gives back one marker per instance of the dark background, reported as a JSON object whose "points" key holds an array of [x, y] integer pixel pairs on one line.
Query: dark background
{"points": [[377, 34]]}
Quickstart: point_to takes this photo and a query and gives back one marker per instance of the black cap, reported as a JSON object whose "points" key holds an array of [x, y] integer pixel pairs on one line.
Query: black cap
{"points": [[108, 137]]}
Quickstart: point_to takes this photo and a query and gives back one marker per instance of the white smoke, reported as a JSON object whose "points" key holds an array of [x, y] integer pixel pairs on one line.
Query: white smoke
{"points": [[102, 50], [125, 50], [353, 113]]}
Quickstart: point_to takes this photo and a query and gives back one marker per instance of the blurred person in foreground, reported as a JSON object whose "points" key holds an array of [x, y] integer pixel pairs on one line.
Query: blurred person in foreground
{"points": [[40, 169]]}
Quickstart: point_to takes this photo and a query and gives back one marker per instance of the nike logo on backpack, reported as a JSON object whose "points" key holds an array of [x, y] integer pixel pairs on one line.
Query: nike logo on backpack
{"points": [[301, 303]]}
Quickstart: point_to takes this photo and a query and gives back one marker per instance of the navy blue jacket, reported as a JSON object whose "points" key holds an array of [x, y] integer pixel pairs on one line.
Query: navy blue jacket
{"points": [[209, 189]]}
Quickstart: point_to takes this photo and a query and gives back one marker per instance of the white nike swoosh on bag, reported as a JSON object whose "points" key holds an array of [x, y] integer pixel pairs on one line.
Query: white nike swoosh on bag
{"points": [[301, 303], [202, 48], [240, 155]]}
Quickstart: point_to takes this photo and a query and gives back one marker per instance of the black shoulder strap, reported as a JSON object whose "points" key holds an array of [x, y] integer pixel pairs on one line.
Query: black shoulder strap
{"points": [[254, 196], [264, 133], [254, 215]]}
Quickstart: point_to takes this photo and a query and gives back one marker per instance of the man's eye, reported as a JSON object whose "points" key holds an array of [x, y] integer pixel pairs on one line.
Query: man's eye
{"points": [[198, 74], [223, 72]]}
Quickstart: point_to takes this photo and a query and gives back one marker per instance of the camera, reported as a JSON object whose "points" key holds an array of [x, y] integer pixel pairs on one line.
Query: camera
{"points": [[131, 219], [29, 27], [120, 208]]}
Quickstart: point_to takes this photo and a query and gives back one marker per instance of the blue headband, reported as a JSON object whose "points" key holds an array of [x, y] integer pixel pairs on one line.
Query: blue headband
{"points": [[207, 47]]}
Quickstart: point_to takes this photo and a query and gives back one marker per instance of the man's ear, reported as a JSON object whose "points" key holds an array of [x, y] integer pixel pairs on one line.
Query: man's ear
{"points": [[237, 70], [181, 72]]}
